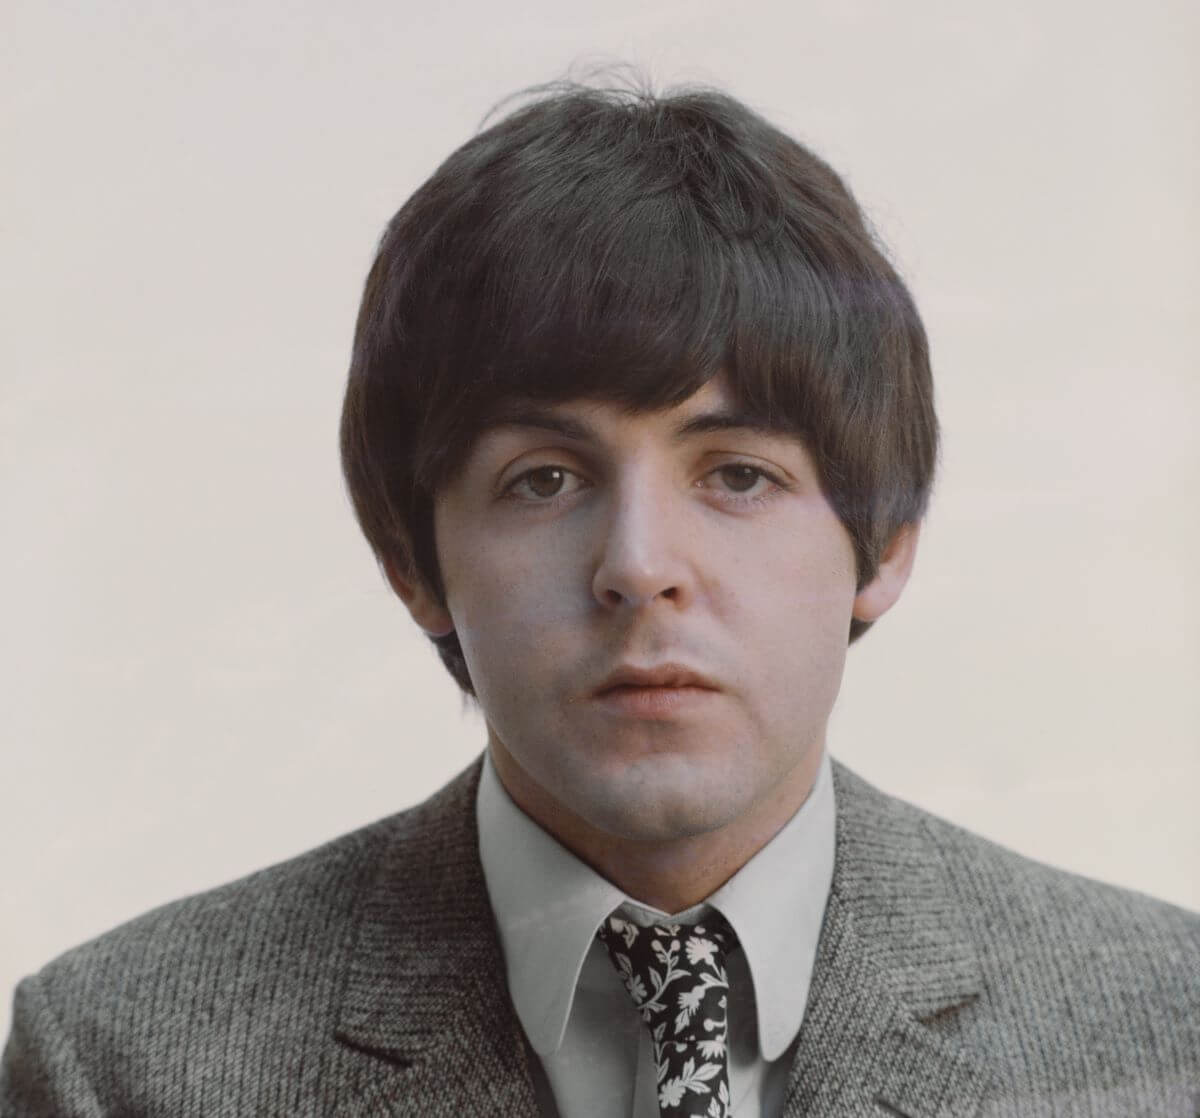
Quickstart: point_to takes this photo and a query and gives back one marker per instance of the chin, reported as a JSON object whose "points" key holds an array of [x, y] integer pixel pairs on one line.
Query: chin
{"points": [[654, 808]]}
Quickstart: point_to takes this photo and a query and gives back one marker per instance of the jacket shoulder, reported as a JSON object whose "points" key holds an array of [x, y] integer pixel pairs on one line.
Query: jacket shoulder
{"points": [[1081, 982], [1026, 897], [258, 962], [252, 918]]}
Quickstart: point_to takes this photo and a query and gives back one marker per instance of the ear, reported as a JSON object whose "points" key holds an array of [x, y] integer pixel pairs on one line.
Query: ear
{"points": [[882, 592], [425, 609]]}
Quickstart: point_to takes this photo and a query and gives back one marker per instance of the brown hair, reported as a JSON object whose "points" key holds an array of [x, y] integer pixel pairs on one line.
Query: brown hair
{"points": [[618, 245]]}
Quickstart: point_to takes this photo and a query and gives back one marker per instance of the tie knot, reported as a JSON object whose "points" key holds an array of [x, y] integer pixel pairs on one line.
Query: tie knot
{"points": [[673, 967]]}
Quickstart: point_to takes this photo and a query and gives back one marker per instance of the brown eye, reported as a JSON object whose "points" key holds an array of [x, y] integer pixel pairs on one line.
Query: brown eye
{"points": [[741, 479], [541, 483], [546, 481]]}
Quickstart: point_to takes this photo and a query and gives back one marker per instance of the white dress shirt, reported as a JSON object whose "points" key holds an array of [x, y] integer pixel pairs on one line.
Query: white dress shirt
{"points": [[594, 1051]]}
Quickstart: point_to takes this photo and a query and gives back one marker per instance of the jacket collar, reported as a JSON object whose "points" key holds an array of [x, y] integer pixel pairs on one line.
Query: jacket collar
{"points": [[895, 957], [889, 874], [425, 985]]}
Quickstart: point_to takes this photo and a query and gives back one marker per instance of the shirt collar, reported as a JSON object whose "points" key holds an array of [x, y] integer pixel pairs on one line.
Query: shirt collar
{"points": [[548, 905]]}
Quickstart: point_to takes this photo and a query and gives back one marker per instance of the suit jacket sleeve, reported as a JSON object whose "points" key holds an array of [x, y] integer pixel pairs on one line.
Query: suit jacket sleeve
{"points": [[40, 1074]]}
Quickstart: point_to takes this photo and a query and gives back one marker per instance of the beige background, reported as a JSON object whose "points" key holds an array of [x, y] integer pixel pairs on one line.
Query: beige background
{"points": [[203, 672]]}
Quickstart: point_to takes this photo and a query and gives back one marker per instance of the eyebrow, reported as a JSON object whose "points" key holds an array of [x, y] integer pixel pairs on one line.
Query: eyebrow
{"points": [[580, 431]]}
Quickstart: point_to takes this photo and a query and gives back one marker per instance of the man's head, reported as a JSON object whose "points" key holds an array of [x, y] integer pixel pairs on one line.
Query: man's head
{"points": [[622, 263], [616, 246]]}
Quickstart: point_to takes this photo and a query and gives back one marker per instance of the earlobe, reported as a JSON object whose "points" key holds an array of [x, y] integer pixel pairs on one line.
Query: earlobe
{"points": [[883, 591], [424, 608]]}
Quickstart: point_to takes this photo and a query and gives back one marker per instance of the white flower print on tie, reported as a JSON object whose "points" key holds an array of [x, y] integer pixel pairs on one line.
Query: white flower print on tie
{"points": [[676, 978]]}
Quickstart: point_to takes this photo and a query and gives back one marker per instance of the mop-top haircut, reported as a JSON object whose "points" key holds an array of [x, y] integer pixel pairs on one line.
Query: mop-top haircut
{"points": [[623, 246]]}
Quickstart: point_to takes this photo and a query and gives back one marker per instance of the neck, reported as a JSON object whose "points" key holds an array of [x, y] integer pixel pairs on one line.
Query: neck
{"points": [[672, 874]]}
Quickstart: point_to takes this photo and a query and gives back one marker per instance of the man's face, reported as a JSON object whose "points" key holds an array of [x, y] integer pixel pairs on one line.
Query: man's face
{"points": [[631, 542]]}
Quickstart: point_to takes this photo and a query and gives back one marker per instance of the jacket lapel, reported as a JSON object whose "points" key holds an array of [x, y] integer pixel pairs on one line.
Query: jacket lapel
{"points": [[426, 1004], [894, 955]]}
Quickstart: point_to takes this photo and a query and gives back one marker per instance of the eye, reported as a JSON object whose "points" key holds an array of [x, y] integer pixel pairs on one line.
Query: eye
{"points": [[542, 483], [741, 481], [740, 477]]}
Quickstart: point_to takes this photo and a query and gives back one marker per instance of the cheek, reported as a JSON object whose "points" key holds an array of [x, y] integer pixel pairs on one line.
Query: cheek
{"points": [[800, 595], [511, 608]]}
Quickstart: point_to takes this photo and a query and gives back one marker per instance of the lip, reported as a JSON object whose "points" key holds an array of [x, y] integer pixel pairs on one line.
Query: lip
{"points": [[666, 677], [659, 691], [653, 702]]}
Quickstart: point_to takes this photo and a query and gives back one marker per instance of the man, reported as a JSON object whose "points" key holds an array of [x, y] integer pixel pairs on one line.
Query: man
{"points": [[639, 425]]}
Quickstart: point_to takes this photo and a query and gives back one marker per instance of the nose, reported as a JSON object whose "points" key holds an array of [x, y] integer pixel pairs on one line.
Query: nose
{"points": [[643, 552]]}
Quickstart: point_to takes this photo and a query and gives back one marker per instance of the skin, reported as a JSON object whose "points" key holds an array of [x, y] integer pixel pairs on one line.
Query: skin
{"points": [[564, 558]]}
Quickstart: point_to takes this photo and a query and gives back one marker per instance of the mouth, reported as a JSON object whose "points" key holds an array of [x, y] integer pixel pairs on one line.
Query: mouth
{"points": [[659, 692], [664, 676]]}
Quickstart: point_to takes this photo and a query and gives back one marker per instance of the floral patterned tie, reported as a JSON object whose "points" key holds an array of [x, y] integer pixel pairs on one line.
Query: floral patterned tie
{"points": [[675, 975]]}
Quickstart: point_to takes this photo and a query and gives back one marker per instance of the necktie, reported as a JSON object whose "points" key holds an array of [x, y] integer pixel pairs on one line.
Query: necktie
{"points": [[675, 975]]}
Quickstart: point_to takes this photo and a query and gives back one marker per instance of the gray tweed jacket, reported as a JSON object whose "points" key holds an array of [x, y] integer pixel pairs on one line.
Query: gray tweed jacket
{"points": [[953, 978]]}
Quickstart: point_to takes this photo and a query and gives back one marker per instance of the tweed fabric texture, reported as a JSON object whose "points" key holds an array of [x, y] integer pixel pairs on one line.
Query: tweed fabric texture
{"points": [[953, 978]]}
